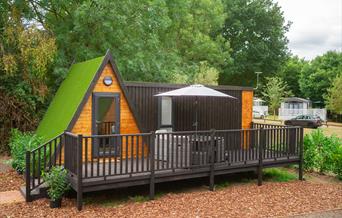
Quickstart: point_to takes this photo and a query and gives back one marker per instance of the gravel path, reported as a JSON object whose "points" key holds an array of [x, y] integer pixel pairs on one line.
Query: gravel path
{"points": [[322, 214], [4, 167], [10, 181], [9, 178], [240, 200]]}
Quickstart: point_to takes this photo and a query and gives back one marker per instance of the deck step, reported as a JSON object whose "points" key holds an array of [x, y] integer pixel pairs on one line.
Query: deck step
{"points": [[37, 193]]}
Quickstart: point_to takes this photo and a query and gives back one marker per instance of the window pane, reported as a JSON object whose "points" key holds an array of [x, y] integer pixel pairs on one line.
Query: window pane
{"points": [[166, 111], [105, 116]]}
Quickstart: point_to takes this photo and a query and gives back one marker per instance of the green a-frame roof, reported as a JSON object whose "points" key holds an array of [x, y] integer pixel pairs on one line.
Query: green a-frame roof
{"points": [[73, 94], [68, 97]]}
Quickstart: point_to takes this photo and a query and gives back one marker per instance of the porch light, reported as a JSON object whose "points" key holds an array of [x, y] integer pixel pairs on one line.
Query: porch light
{"points": [[107, 80]]}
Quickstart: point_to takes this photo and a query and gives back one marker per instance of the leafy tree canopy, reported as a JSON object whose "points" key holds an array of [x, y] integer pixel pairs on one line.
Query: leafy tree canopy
{"points": [[151, 40], [290, 72], [275, 91], [26, 57], [317, 76], [26, 61], [256, 31], [334, 96]]}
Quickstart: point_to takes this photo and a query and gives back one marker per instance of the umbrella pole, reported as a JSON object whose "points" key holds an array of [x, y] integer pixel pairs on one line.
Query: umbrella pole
{"points": [[196, 114]]}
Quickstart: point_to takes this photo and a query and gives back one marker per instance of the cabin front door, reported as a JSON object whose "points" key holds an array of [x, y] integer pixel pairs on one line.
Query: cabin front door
{"points": [[106, 121]]}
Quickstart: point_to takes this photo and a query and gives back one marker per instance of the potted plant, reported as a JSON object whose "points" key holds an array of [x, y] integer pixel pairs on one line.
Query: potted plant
{"points": [[58, 184]]}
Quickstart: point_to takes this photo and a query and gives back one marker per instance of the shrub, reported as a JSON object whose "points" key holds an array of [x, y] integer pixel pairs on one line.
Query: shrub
{"points": [[57, 182], [323, 153], [312, 142], [21, 142], [278, 175], [337, 157]]}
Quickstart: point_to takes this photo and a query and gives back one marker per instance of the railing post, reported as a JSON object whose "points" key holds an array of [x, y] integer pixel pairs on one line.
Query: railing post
{"points": [[79, 172], [28, 176], [152, 162], [262, 139], [212, 161], [63, 146], [301, 154], [292, 145]]}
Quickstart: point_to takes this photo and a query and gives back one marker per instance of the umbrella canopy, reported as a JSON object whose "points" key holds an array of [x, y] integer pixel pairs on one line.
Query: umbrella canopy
{"points": [[195, 91]]}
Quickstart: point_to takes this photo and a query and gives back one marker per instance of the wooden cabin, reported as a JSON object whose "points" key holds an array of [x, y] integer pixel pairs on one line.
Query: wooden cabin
{"points": [[94, 100], [108, 134]]}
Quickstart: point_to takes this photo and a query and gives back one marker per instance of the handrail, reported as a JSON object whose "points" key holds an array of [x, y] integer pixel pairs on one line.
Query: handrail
{"points": [[70, 134], [116, 135], [40, 159], [45, 143], [95, 156]]}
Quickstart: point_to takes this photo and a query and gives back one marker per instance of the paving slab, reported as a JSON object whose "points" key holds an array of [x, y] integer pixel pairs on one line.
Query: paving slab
{"points": [[322, 214], [8, 197]]}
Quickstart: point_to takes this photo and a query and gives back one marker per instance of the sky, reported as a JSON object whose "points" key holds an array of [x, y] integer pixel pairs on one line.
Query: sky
{"points": [[316, 26]]}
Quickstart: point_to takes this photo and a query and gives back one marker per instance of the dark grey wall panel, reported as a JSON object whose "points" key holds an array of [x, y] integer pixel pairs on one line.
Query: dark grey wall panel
{"points": [[217, 113]]}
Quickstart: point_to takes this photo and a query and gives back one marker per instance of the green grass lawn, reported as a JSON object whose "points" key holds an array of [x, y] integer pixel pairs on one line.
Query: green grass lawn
{"points": [[330, 130], [278, 175], [327, 130]]}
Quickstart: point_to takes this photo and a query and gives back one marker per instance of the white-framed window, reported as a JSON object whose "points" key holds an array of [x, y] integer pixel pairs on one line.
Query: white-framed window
{"points": [[165, 111]]}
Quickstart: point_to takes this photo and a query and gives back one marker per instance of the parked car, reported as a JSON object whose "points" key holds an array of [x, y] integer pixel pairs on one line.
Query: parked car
{"points": [[309, 121], [258, 114]]}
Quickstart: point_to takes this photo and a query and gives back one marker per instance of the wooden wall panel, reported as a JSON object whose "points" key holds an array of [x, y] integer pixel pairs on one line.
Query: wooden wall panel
{"points": [[128, 124], [247, 109], [218, 113], [213, 113]]}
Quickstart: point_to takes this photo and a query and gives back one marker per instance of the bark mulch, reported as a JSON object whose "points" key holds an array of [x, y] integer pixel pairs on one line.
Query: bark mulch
{"points": [[4, 167], [240, 200], [10, 180]]}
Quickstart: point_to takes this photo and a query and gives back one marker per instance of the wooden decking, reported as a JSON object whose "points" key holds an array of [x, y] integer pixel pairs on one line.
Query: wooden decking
{"points": [[125, 173], [168, 157], [105, 170]]}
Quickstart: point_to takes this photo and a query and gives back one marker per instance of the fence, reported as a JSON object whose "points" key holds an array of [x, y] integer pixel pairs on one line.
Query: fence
{"points": [[133, 154], [101, 159], [41, 160], [286, 114]]}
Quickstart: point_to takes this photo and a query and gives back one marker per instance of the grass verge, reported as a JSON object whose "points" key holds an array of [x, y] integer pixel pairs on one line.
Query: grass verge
{"points": [[278, 175]]}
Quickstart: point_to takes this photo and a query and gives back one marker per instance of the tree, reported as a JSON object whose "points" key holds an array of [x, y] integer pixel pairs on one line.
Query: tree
{"points": [[317, 76], [194, 34], [204, 74], [150, 40], [334, 97], [274, 92], [256, 31], [26, 59], [290, 73]]}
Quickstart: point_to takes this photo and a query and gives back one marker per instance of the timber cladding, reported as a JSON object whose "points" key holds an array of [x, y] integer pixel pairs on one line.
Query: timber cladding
{"points": [[213, 113], [247, 109], [217, 113], [128, 124]]}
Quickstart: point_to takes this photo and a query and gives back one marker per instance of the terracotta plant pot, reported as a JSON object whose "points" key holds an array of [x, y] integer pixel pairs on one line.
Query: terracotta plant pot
{"points": [[56, 204]]}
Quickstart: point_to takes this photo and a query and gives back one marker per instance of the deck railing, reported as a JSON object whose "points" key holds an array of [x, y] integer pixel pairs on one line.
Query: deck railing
{"points": [[118, 154], [41, 160], [131, 154], [107, 157]]}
